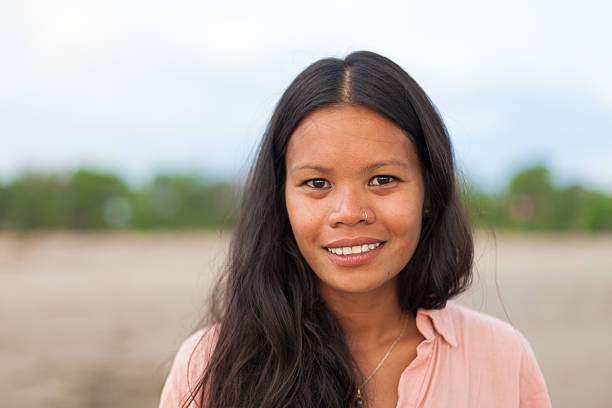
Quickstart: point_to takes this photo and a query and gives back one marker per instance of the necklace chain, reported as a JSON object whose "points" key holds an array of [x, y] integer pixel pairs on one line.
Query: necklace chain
{"points": [[380, 363]]}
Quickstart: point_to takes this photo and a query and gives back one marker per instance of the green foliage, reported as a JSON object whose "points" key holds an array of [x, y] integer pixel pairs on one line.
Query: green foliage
{"points": [[34, 200], [595, 213], [483, 209], [533, 181], [92, 198], [87, 199], [533, 202], [186, 202]]}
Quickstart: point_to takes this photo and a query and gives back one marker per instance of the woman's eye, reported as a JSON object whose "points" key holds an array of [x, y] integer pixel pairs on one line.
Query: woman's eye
{"points": [[382, 180], [317, 184]]}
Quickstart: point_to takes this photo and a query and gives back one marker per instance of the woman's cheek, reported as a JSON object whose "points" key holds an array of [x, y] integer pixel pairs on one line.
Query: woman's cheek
{"points": [[300, 216]]}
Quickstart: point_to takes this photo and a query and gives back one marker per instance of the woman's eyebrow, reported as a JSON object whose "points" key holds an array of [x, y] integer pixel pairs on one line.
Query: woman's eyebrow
{"points": [[374, 166], [366, 169], [312, 167]]}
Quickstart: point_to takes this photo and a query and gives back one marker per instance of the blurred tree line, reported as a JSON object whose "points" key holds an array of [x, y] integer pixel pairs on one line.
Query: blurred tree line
{"points": [[87, 199], [532, 202]]}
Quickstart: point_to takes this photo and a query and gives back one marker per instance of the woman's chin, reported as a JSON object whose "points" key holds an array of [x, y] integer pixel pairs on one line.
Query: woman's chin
{"points": [[349, 286]]}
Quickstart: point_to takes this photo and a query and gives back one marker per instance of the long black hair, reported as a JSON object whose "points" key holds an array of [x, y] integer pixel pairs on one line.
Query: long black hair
{"points": [[278, 344]]}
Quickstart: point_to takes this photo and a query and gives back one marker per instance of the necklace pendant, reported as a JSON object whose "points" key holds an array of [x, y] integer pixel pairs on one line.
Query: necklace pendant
{"points": [[358, 400]]}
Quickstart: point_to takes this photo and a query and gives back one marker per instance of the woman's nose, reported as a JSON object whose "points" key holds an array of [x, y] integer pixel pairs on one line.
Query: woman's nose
{"points": [[348, 208]]}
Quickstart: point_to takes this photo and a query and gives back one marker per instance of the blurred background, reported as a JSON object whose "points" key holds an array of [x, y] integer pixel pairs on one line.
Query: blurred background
{"points": [[127, 127]]}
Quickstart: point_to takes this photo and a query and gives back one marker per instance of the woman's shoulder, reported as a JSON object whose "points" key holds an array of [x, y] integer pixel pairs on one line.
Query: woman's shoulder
{"points": [[188, 366], [199, 345], [494, 346], [471, 326], [478, 336], [492, 343]]}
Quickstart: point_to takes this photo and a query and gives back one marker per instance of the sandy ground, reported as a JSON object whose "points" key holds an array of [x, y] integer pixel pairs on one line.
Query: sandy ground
{"points": [[93, 320]]}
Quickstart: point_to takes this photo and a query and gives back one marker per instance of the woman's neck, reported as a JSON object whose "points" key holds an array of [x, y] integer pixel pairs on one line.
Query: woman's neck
{"points": [[368, 319]]}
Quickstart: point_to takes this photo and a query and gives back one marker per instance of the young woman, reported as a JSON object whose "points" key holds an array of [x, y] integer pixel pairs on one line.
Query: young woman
{"points": [[350, 242]]}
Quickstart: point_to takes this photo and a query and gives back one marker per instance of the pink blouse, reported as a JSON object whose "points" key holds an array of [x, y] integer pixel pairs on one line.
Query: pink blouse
{"points": [[468, 359]]}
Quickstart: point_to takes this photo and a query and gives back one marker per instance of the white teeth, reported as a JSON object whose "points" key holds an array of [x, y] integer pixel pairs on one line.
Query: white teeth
{"points": [[358, 249]]}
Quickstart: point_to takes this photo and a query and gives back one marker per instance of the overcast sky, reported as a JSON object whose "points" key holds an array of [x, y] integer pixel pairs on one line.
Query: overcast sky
{"points": [[138, 87]]}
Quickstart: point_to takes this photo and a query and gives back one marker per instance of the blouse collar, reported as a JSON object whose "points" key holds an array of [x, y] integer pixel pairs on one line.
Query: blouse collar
{"points": [[437, 321]]}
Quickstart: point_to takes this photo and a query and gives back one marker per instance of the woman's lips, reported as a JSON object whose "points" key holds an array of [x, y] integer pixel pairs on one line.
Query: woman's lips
{"points": [[354, 259]]}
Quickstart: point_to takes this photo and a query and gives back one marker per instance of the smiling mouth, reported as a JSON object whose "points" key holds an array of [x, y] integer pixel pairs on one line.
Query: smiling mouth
{"points": [[357, 249]]}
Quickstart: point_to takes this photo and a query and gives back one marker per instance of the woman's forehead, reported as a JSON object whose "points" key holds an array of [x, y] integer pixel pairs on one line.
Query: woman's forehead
{"points": [[343, 118], [348, 133]]}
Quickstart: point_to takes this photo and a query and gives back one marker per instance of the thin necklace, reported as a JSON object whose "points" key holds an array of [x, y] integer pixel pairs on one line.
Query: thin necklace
{"points": [[358, 399]]}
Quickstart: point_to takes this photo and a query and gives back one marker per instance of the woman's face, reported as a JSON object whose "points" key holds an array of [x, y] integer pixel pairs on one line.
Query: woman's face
{"points": [[344, 163]]}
